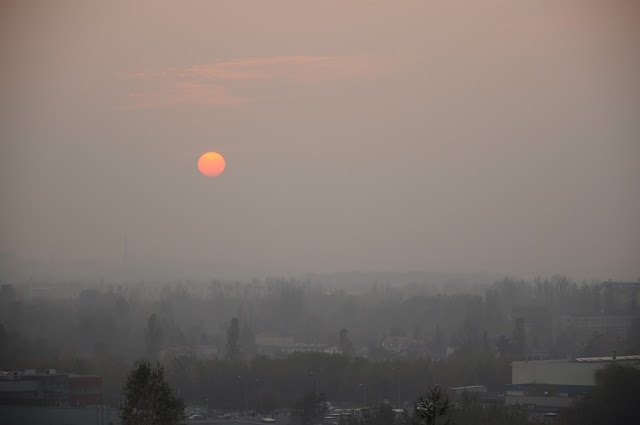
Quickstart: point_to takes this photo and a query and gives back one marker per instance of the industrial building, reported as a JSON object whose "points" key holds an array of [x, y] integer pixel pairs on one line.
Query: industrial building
{"points": [[550, 385]]}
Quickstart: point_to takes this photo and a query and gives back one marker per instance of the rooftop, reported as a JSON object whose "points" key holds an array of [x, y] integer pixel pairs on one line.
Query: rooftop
{"points": [[635, 357]]}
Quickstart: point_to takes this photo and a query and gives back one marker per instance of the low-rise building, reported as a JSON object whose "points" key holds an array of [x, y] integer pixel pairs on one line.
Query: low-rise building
{"points": [[546, 386], [50, 388], [34, 389], [587, 325], [201, 352], [270, 338], [49, 415], [396, 344], [456, 392], [85, 390]]}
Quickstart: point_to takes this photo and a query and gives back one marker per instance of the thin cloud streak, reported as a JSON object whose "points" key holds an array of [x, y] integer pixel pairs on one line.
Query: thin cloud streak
{"points": [[195, 85], [300, 68], [184, 93]]}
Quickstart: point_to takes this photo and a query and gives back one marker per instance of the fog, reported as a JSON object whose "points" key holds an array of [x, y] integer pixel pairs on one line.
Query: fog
{"points": [[349, 331], [500, 137]]}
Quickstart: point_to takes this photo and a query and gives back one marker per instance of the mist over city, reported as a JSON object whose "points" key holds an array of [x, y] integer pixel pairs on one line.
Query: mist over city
{"points": [[319, 212]]}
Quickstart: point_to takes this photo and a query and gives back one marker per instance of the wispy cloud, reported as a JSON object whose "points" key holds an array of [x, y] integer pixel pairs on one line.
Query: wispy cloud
{"points": [[183, 93], [301, 68], [203, 84]]}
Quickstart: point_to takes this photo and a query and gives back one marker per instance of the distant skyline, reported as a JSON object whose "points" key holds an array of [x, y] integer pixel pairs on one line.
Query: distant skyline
{"points": [[448, 136]]}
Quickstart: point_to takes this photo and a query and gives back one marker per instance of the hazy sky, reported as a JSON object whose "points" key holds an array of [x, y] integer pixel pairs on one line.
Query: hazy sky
{"points": [[497, 135]]}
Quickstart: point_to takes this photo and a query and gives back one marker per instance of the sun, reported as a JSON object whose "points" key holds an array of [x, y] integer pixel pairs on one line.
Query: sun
{"points": [[211, 164]]}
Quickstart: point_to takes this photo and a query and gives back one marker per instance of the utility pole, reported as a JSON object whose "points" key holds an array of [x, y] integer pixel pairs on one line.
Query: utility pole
{"points": [[364, 394], [317, 375], [246, 392], [246, 395], [398, 388]]}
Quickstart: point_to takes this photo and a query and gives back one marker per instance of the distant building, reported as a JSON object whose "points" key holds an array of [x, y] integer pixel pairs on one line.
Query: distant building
{"points": [[332, 349], [85, 390], [396, 344], [34, 389], [586, 326], [201, 352], [456, 392], [29, 388], [49, 415], [201, 410], [621, 297], [270, 338], [272, 344], [362, 352], [304, 348]]}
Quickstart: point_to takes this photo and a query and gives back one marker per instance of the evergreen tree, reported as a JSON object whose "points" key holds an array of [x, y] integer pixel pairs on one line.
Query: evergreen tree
{"points": [[153, 336], [233, 339], [344, 343], [148, 399], [613, 400]]}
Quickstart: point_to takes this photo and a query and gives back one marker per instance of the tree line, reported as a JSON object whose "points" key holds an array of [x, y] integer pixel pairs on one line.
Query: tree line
{"points": [[461, 336]]}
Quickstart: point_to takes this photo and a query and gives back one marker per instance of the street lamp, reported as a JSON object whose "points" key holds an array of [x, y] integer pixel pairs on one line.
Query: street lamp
{"points": [[397, 371], [317, 384], [258, 393], [246, 393], [364, 394]]}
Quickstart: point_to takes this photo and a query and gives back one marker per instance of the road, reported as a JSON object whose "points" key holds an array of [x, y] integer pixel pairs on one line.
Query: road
{"points": [[281, 419]]}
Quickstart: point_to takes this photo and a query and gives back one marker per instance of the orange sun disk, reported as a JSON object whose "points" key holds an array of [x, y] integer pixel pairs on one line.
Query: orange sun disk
{"points": [[211, 164]]}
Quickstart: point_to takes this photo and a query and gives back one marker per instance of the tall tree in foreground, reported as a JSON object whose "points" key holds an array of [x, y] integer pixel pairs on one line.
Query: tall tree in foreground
{"points": [[153, 336], [344, 343], [233, 339], [148, 399], [613, 400], [433, 407]]}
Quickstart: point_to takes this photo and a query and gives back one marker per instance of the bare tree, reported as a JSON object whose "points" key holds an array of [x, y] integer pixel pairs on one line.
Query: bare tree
{"points": [[432, 408]]}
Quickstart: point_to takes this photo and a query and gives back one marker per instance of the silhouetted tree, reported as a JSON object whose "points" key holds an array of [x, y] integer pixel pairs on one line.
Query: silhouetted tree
{"points": [[613, 400], [440, 342], [3, 344], [518, 340], [246, 341], [233, 338], [344, 343], [503, 347], [7, 293], [148, 399], [433, 407], [153, 336]]}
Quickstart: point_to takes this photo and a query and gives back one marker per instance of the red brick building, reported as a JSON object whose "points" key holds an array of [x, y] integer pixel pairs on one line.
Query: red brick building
{"points": [[85, 390]]}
